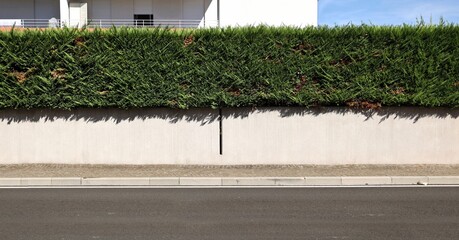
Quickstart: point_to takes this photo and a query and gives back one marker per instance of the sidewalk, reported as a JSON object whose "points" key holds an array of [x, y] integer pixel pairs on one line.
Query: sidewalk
{"points": [[155, 171]]}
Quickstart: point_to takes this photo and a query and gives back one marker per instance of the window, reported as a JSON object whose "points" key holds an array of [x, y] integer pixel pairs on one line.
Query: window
{"points": [[143, 20]]}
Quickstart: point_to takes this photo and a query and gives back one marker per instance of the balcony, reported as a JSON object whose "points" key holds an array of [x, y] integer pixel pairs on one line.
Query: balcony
{"points": [[106, 23]]}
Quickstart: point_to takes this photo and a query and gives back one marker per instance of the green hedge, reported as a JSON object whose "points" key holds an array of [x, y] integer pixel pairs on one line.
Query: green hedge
{"points": [[359, 66]]}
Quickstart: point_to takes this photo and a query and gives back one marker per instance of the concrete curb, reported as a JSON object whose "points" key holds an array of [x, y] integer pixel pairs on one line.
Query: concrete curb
{"points": [[234, 181]]}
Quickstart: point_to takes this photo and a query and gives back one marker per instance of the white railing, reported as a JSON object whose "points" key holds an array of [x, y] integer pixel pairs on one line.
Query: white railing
{"points": [[30, 23], [107, 23]]}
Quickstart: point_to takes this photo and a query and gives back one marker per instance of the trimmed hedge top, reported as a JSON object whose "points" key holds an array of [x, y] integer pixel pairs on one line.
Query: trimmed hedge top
{"points": [[363, 66]]}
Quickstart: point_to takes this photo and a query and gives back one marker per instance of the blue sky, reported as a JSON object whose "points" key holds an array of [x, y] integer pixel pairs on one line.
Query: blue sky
{"points": [[386, 12]]}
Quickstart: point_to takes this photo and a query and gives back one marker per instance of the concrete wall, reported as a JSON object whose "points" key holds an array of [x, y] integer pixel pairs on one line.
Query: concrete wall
{"points": [[340, 136], [323, 136], [272, 12], [154, 136]]}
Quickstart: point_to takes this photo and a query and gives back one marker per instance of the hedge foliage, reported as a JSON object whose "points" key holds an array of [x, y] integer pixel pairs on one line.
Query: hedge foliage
{"points": [[359, 66]]}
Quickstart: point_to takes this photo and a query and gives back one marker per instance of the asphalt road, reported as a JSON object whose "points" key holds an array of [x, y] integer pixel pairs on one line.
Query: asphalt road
{"points": [[196, 214]]}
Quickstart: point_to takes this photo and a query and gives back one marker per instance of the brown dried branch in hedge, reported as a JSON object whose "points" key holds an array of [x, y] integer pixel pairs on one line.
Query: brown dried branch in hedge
{"points": [[363, 104], [79, 41], [188, 41], [234, 92], [21, 77], [299, 86], [58, 73], [342, 62], [398, 91], [302, 48]]}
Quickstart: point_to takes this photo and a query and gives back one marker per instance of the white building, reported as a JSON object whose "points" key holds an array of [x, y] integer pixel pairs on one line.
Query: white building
{"points": [[177, 13]]}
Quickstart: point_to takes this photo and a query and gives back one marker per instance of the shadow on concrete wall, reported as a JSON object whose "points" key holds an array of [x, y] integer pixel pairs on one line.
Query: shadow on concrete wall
{"points": [[384, 113], [205, 116], [202, 116]]}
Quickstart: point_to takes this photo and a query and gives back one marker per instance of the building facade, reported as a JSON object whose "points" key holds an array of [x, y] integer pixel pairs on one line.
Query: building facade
{"points": [[145, 13]]}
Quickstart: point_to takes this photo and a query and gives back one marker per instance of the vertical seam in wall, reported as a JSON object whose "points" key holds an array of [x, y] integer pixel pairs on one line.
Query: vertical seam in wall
{"points": [[204, 2], [34, 9], [220, 120], [111, 15], [218, 13]]}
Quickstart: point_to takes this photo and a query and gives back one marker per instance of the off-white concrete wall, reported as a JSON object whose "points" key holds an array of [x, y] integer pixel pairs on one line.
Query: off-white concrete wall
{"points": [[323, 136], [143, 6], [17, 9], [167, 9], [269, 12], [211, 13], [340, 136], [47, 9], [154, 136], [122, 9], [29, 9], [99, 9]]}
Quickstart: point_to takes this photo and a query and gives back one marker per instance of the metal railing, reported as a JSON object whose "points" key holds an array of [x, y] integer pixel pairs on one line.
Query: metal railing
{"points": [[107, 23], [30, 23]]}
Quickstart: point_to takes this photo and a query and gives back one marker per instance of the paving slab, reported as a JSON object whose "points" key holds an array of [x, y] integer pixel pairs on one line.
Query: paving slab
{"points": [[10, 181], [200, 181], [66, 181], [168, 181], [36, 181], [366, 180], [116, 181], [406, 180], [293, 181], [248, 181], [444, 180], [323, 181]]}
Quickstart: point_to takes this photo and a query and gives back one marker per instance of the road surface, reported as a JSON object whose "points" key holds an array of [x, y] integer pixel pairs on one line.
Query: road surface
{"points": [[263, 213]]}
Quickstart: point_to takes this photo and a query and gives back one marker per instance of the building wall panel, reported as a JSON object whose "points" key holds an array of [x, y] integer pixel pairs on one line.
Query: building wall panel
{"points": [[47, 9], [122, 9], [167, 9], [143, 6], [100, 9], [17, 9]]}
